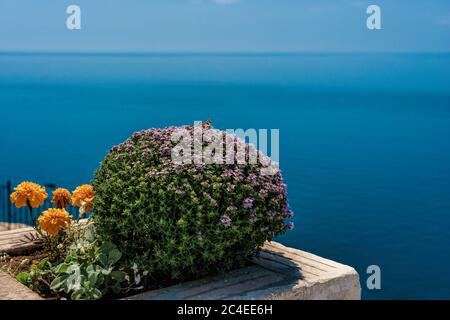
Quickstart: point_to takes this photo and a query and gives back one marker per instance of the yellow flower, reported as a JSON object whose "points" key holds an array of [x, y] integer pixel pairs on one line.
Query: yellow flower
{"points": [[28, 194], [54, 220], [61, 198], [83, 197]]}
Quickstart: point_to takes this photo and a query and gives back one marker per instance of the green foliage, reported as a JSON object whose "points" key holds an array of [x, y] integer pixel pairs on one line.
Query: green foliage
{"points": [[38, 277], [183, 222], [89, 272]]}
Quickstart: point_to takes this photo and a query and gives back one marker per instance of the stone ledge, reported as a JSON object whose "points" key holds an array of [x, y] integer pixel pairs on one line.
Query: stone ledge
{"points": [[278, 273], [10, 289], [18, 241], [22, 239]]}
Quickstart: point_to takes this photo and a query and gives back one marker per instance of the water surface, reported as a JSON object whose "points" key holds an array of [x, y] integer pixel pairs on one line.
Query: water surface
{"points": [[365, 140]]}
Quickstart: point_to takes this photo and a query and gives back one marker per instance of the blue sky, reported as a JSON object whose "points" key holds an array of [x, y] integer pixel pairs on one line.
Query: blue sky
{"points": [[225, 25]]}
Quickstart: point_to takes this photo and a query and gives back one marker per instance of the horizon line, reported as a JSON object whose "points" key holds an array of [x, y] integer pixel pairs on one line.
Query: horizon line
{"points": [[211, 53]]}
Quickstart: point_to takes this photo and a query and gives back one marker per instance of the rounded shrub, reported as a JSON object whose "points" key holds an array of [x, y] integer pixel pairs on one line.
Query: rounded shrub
{"points": [[184, 221]]}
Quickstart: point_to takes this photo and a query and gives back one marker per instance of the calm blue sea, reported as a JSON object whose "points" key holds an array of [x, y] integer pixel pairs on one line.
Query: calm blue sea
{"points": [[365, 140]]}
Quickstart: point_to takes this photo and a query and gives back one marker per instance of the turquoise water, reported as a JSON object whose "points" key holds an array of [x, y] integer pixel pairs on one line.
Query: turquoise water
{"points": [[365, 140]]}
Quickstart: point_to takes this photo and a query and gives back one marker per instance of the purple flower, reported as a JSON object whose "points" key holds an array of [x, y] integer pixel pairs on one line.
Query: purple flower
{"points": [[291, 226], [114, 149], [252, 178], [226, 221], [227, 173], [270, 214], [264, 193], [248, 203], [207, 196]]}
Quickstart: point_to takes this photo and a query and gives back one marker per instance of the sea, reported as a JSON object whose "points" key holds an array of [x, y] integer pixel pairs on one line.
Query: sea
{"points": [[364, 139]]}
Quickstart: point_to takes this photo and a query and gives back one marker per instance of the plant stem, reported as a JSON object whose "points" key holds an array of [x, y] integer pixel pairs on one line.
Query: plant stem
{"points": [[33, 222], [30, 211]]}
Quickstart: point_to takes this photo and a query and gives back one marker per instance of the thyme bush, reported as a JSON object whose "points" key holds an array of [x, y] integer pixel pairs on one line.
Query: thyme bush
{"points": [[181, 222]]}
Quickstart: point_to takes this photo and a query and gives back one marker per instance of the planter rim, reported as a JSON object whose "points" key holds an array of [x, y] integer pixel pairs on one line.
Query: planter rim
{"points": [[278, 272]]}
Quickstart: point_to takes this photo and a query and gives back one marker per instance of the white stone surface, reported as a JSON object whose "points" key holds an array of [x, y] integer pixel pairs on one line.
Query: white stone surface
{"points": [[279, 273], [10, 289]]}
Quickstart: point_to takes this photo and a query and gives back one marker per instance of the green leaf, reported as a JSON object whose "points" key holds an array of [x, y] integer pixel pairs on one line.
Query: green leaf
{"points": [[90, 268], [118, 276], [107, 247], [100, 280], [74, 281], [104, 259], [62, 268], [78, 294], [58, 283], [114, 256], [106, 271], [96, 294], [43, 263], [89, 233], [24, 278], [73, 268], [92, 274]]}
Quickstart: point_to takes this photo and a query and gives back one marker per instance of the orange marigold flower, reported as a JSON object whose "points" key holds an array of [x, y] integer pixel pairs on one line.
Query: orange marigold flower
{"points": [[61, 198], [83, 196], [54, 220], [28, 194]]}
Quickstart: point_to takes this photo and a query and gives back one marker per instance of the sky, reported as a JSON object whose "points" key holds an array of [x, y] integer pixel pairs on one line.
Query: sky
{"points": [[225, 26]]}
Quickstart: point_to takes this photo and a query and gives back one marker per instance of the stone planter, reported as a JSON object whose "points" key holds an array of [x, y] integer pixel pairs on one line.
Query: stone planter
{"points": [[278, 273]]}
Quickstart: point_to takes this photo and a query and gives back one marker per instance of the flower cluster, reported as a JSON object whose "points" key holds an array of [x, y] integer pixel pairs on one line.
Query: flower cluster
{"points": [[28, 194], [226, 221], [156, 210], [61, 198], [83, 197], [54, 220]]}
